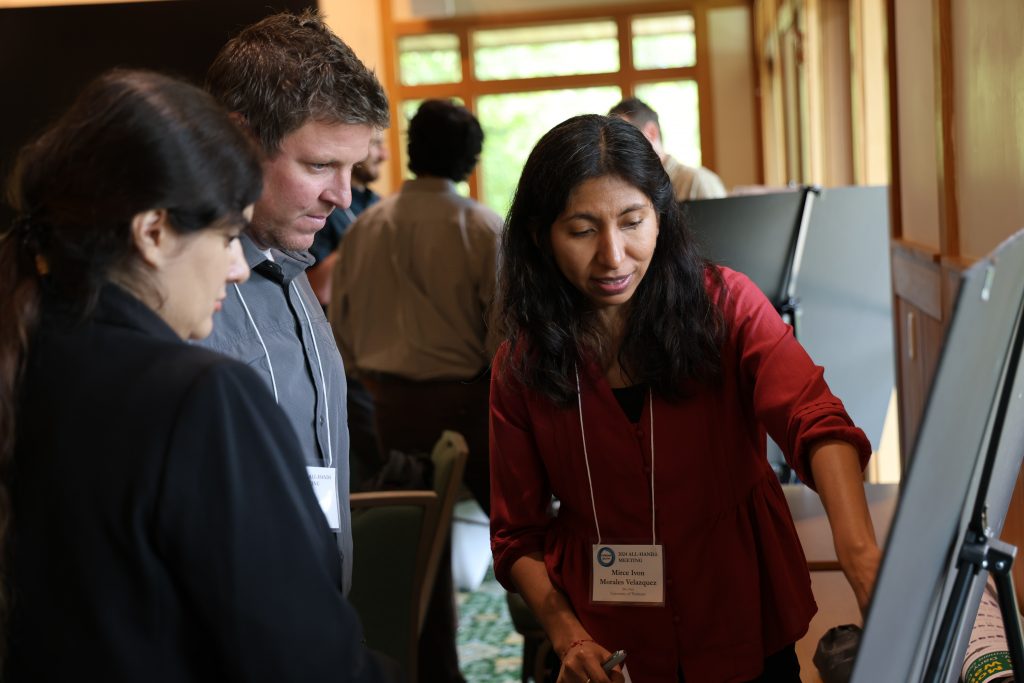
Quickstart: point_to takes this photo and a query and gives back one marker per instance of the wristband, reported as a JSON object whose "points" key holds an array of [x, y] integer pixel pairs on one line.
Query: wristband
{"points": [[576, 643]]}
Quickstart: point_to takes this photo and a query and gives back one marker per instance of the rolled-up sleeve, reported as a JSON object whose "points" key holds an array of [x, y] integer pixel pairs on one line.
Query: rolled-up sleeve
{"points": [[790, 395], [520, 492]]}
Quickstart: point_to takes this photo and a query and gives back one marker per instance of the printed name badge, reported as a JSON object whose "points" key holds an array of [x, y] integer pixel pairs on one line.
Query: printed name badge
{"points": [[628, 574], [325, 487]]}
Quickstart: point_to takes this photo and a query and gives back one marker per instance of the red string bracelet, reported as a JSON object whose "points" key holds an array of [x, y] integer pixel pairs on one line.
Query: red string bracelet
{"points": [[576, 643]]}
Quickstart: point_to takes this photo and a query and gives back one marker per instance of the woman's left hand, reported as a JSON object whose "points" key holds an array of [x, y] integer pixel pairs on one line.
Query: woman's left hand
{"points": [[861, 569], [840, 483]]}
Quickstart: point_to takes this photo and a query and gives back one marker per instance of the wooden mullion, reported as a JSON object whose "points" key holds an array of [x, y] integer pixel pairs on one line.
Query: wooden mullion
{"points": [[949, 230], [566, 15], [703, 77], [756, 71], [467, 92], [895, 208], [499, 87], [392, 80], [627, 72]]}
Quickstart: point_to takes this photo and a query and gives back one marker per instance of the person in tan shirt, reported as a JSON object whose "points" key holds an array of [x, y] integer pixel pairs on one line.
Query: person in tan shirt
{"points": [[688, 182], [410, 304]]}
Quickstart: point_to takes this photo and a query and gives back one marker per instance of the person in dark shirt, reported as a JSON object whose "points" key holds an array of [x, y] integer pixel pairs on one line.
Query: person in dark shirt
{"points": [[158, 523], [326, 242]]}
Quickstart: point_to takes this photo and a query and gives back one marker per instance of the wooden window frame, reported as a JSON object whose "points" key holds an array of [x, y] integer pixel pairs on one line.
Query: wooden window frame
{"points": [[626, 78]]}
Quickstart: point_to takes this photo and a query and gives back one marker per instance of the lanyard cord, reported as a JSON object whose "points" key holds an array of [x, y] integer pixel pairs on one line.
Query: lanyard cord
{"points": [[323, 380], [270, 364], [273, 380], [586, 458], [650, 412]]}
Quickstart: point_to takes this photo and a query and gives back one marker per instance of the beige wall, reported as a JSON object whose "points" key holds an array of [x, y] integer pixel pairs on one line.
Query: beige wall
{"points": [[357, 22], [915, 99], [732, 96], [420, 9], [988, 91]]}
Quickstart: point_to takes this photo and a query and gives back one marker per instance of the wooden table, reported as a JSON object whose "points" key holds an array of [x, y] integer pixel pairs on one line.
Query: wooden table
{"points": [[812, 524], [836, 603]]}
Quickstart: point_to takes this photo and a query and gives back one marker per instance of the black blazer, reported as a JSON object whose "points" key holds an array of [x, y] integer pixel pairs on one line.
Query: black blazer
{"points": [[164, 527]]}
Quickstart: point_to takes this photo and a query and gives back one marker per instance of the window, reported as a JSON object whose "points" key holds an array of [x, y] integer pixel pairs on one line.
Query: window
{"points": [[677, 106], [523, 74], [664, 41], [513, 123], [432, 58], [553, 50]]}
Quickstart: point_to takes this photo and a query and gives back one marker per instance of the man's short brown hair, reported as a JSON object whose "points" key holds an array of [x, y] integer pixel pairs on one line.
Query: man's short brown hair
{"points": [[289, 69]]}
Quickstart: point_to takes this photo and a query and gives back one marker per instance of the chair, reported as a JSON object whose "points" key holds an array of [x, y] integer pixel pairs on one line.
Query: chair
{"points": [[449, 457], [399, 538], [392, 534]]}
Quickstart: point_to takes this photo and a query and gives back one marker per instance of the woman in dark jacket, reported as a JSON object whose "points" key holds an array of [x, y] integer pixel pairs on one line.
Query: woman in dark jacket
{"points": [[158, 523]]}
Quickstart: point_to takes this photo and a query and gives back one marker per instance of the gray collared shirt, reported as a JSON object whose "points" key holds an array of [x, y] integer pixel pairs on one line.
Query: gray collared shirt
{"points": [[280, 331]]}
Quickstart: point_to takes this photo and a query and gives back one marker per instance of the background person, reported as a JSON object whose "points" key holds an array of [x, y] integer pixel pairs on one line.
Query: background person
{"points": [[688, 182], [413, 287], [158, 523], [364, 455], [313, 108], [325, 243], [636, 385]]}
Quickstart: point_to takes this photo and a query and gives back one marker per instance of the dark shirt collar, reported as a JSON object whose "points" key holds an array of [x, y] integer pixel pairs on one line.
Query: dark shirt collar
{"points": [[361, 198], [117, 307], [291, 263]]}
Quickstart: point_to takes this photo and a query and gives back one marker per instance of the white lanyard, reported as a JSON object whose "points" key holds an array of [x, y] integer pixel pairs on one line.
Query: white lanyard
{"points": [[586, 458], [319, 362]]}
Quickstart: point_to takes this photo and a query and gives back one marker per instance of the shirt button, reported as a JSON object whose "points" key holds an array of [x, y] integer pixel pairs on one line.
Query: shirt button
{"points": [[675, 620], [321, 419], [647, 469]]}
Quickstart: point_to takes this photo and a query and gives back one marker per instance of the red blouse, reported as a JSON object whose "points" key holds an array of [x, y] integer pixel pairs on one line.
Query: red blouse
{"points": [[737, 587]]}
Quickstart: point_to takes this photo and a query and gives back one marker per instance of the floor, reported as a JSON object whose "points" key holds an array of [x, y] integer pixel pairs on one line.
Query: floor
{"points": [[490, 650]]}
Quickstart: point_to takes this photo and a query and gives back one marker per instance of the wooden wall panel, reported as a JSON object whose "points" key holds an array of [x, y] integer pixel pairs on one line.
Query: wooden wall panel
{"points": [[48, 53]]}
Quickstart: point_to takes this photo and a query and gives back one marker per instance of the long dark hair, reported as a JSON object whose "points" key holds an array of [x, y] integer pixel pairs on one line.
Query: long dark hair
{"points": [[673, 330], [131, 142]]}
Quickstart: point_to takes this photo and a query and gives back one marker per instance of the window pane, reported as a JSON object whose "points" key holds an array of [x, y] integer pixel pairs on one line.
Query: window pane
{"points": [[679, 115], [664, 41], [431, 58], [407, 109], [552, 50], [514, 122]]}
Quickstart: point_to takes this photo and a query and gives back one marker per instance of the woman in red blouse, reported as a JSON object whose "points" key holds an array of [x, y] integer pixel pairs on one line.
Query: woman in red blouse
{"points": [[636, 387]]}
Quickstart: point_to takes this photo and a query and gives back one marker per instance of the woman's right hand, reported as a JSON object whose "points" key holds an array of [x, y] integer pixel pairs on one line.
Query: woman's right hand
{"points": [[581, 663]]}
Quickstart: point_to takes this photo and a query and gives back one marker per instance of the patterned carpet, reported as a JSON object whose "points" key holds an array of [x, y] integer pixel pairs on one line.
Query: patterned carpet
{"points": [[490, 650]]}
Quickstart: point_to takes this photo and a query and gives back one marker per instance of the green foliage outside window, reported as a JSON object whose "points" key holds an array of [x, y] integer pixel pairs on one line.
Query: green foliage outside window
{"points": [[664, 41], [514, 122], [427, 59], [679, 116], [664, 52], [554, 50]]}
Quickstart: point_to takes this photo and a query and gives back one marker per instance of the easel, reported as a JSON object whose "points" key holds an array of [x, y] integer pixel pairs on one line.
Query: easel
{"points": [[762, 236], [943, 542], [981, 551]]}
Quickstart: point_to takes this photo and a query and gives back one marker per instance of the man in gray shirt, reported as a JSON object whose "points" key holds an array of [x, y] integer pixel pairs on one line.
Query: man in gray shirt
{"points": [[313, 107]]}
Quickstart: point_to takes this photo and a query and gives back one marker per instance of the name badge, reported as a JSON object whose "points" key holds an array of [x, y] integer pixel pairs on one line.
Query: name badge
{"points": [[325, 487], [628, 574]]}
